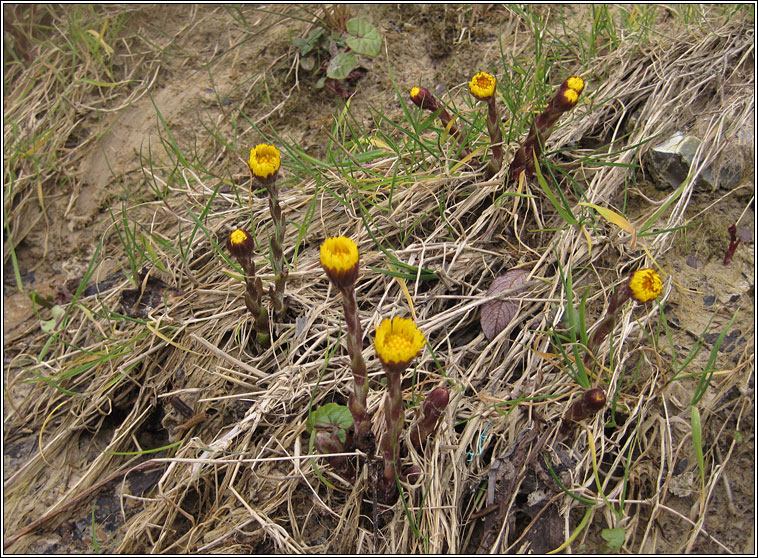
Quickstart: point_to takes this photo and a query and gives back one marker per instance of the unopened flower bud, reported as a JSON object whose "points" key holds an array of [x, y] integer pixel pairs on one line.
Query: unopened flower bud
{"points": [[424, 99], [240, 244]]}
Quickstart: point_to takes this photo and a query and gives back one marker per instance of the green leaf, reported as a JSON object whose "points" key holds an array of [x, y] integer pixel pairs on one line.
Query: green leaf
{"points": [[697, 439], [363, 37], [41, 301], [564, 212], [308, 63], [307, 45], [614, 537], [49, 325], [341, 65], [330, 414], [341, 435]]}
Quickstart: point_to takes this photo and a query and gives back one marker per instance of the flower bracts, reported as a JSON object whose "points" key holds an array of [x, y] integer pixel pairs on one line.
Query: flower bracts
{"points": [[482, 86], [424, 99], [240, 245], [340, 261], [564, 100], [264, 163], [397, 343]]}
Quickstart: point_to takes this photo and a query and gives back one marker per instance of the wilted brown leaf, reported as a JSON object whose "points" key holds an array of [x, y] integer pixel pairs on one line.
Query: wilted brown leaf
{"points": [[497, 314]]}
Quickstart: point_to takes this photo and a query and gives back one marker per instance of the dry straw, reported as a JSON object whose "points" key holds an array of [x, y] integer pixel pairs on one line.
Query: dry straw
{"points": [[240, 479]]}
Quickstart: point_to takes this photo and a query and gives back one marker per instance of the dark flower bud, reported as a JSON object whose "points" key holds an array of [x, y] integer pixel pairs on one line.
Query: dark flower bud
{"points": [[240, 244], [431, 410], [592, 401], [424, 99]]}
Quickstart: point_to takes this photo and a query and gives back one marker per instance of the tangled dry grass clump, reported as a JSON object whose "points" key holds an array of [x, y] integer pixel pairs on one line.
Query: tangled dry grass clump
{"points": [[175, 368]]}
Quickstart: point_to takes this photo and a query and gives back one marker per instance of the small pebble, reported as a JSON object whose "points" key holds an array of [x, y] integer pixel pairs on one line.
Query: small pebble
{"points": [[709, 300], [710, 338], [692, 261]]}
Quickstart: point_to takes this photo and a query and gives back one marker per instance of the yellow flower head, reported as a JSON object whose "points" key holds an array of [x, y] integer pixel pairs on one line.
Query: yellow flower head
{"points": [[576, 83], [397, 342], [240, 244], [645, 285], [415, 91], [565, 99], [570, 96], [339, 258], [264, 161], [482, 85]]}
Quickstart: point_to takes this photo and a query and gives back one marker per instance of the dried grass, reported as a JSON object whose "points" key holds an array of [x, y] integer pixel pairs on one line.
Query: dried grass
{"points": [[241, 479]]}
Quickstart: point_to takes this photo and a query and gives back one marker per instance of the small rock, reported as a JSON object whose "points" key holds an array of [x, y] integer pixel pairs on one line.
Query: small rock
{"points": [[708, 300], [710, 338], [669, 163], [745, 235], [692, 261]]}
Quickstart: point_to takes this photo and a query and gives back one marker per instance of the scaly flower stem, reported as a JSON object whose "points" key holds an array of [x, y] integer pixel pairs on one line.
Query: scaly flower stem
{"points": [[539, 133], [455, 132], [254, 301], [431, 410], [564, 100], [424, 99], [394, 419], [496, 138], [276, 242], [357, 401], [606, 325]]}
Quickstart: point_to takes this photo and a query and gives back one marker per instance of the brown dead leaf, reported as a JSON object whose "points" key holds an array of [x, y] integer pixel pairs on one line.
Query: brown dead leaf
{"points": [[497, 314]]}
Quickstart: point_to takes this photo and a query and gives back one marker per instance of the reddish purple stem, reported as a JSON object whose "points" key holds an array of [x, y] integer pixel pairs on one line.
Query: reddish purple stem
{"points": [[733, 243]]}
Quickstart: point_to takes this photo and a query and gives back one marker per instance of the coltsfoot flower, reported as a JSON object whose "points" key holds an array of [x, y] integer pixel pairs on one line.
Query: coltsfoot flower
{"points": [[645, 285], [568, 94], [397, 342], [264, 161], [575, 83], [424, 99], [340, 258], [591, 402], [240, 244], [482, 85], [566, 99]]}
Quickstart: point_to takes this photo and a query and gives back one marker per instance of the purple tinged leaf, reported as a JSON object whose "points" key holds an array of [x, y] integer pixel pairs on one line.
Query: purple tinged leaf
{"points": [[497, 314]]}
